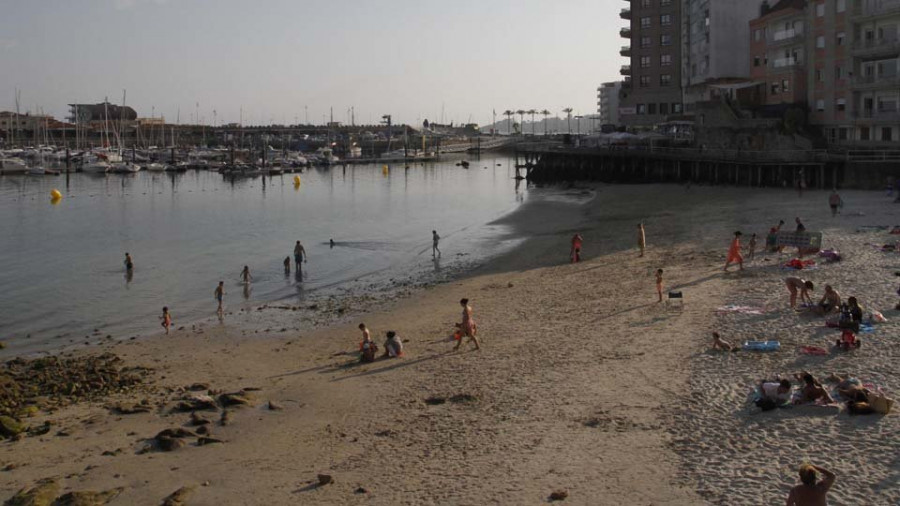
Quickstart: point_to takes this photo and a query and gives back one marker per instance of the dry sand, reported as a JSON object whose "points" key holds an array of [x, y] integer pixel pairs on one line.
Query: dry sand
{"points": [[584, 384]]}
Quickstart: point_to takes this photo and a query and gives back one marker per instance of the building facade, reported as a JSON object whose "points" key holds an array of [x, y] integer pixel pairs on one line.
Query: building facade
{"points": [[608, 102], [12, 122], [777, 59], [651, 88]]}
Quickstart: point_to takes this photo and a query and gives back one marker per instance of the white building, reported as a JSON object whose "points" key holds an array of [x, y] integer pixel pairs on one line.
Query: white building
{"points": [[608, 102]]}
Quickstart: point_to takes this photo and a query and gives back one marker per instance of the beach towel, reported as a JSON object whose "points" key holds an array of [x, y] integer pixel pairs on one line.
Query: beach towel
{"points": [[734, 308], [797, 264], [865, 327], [813, 350]]}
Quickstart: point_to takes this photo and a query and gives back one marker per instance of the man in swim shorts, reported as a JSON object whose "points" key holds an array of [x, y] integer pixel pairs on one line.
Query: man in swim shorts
{"points": [[811, 492], [299, 255]]}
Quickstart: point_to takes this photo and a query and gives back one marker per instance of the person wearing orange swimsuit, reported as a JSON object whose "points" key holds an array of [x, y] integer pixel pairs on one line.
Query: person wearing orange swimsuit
{"points": [[734, 253]]}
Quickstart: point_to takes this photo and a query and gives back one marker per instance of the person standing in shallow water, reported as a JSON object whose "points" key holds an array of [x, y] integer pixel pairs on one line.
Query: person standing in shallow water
{"points": [[435, 239], [299, 255], [219, 294], [811, 492], [467, 327], [641, 239], [575, 253], [129, 263]]}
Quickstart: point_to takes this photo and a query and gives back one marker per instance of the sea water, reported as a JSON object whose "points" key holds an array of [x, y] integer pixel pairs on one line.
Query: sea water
{"points": [[62, 267]]}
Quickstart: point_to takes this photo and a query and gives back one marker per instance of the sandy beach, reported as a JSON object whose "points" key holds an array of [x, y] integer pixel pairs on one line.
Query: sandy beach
{"points": [[585, 385]]}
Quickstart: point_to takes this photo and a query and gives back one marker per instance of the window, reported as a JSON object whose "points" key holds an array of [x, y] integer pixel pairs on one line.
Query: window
{"points": [[863, 133], [665, 79], [665, 40], [840, 105], [645, 4], [663, 108], [820, 41], [820, 9], [841, 5], [641, 109], [676, 108], [645, 81], [645, 42], [842, 133], [645, 62], [785, 85], [820, 105], [756, 61], [838, 72], [840, 38], [775, 89], [820, 76], [665, 3], [665, 20], [665, 60], [645, 22], [757, 34], [886, 133], [651, 108]]}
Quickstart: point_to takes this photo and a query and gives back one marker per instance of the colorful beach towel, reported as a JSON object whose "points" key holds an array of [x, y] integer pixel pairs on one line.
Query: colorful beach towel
{"points": [[797, 264], [813, 350]]}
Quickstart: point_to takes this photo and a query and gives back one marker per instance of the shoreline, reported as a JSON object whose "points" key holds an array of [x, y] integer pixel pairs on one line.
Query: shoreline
{"points": [[584, 384]]}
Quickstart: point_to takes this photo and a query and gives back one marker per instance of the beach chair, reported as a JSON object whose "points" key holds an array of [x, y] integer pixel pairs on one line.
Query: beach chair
{"points": [[675, 301]]}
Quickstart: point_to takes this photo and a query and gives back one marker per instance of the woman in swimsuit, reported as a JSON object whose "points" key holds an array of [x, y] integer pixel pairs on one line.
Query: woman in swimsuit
{"points": [[795, 285], [468, 327], [734, 253]]}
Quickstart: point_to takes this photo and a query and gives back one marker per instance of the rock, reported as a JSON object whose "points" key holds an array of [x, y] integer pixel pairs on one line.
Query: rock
{"points": [[463, 398], [198, 387], [196, 402], [205, 440], [130, 409], [168, 444], [41, 494], [225, 419], [178, 433], [325, 479], [434, 401], [88, 498], [234, 399], [274, 406], [10, 427], [203, 429], [360, 490], [559, 495], [178, 497]]}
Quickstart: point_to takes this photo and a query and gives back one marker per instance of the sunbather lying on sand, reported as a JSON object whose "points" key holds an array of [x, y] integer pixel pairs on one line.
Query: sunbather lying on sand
{"points": [[812, 390], [719, 344]]}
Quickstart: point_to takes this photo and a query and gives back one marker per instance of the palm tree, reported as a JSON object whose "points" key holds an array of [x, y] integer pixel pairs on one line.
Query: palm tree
{"points": [[521, 114], [545, 113], [568, 111], [532, 112], [508, 114]]}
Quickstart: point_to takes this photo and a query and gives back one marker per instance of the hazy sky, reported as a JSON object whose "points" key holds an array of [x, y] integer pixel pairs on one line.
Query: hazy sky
{"points": [[273, 57]]}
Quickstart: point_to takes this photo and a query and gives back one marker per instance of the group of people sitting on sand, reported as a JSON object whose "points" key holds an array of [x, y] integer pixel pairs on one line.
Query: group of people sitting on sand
{"points": [[368, 350], [776, 392]]}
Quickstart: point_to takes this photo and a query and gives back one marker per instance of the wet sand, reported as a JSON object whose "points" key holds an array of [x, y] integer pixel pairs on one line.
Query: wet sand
{"points": [[584, 384]]}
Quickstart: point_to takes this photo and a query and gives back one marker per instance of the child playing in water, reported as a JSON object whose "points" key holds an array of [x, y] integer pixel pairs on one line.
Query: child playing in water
{"points": [[245, 275], [166, 319], [287, 265], [659, 283]]}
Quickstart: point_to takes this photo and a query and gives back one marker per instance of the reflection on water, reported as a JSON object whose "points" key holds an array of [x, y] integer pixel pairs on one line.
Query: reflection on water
{"points": [[63, 274]]}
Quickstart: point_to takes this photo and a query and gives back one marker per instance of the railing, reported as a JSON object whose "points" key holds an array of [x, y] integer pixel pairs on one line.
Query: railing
{"points": [[625, 51], [876, 7], [875, 114], [786, 62], [625, 13], [881, 81], [625, 70], [625, 32], [790, 33]]}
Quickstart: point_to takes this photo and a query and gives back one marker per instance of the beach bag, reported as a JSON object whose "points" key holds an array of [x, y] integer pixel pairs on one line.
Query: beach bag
{"points": [[859, 408], [880, 403], [766, 404]]}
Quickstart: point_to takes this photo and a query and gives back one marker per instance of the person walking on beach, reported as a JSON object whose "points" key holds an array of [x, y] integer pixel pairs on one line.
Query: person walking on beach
{"points": [[734, 253], [772, 238], [129, 263], [751, 247], [299, 255], [834, 202], [797, 285], [575, 252], [219, 294], [659, 283], [435, 239], [642, 239], [246, 278], [811, 491], [166, 319], [468, 327]]}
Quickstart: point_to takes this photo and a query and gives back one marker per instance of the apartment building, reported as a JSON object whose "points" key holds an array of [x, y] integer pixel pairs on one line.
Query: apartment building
{"points": [[778, 53], [830, 67], [713, 32], [873, 97], [651, 89], [608, 102]]}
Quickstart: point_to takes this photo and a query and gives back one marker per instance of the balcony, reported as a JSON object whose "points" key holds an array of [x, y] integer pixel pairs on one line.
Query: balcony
{"points": [[876, 82], [874, 48], [625, 33], [625, 51], [878, 116], [786, 36], [875, 8], [781, 63], [625, 13], [625, 70]]}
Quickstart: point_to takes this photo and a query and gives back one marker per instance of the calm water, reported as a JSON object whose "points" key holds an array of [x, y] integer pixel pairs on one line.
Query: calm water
{"points": [[63, 272]]}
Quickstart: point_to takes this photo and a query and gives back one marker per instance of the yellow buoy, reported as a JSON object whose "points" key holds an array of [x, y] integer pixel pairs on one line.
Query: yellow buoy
{"points": [[296, 180], [55, 194]]}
